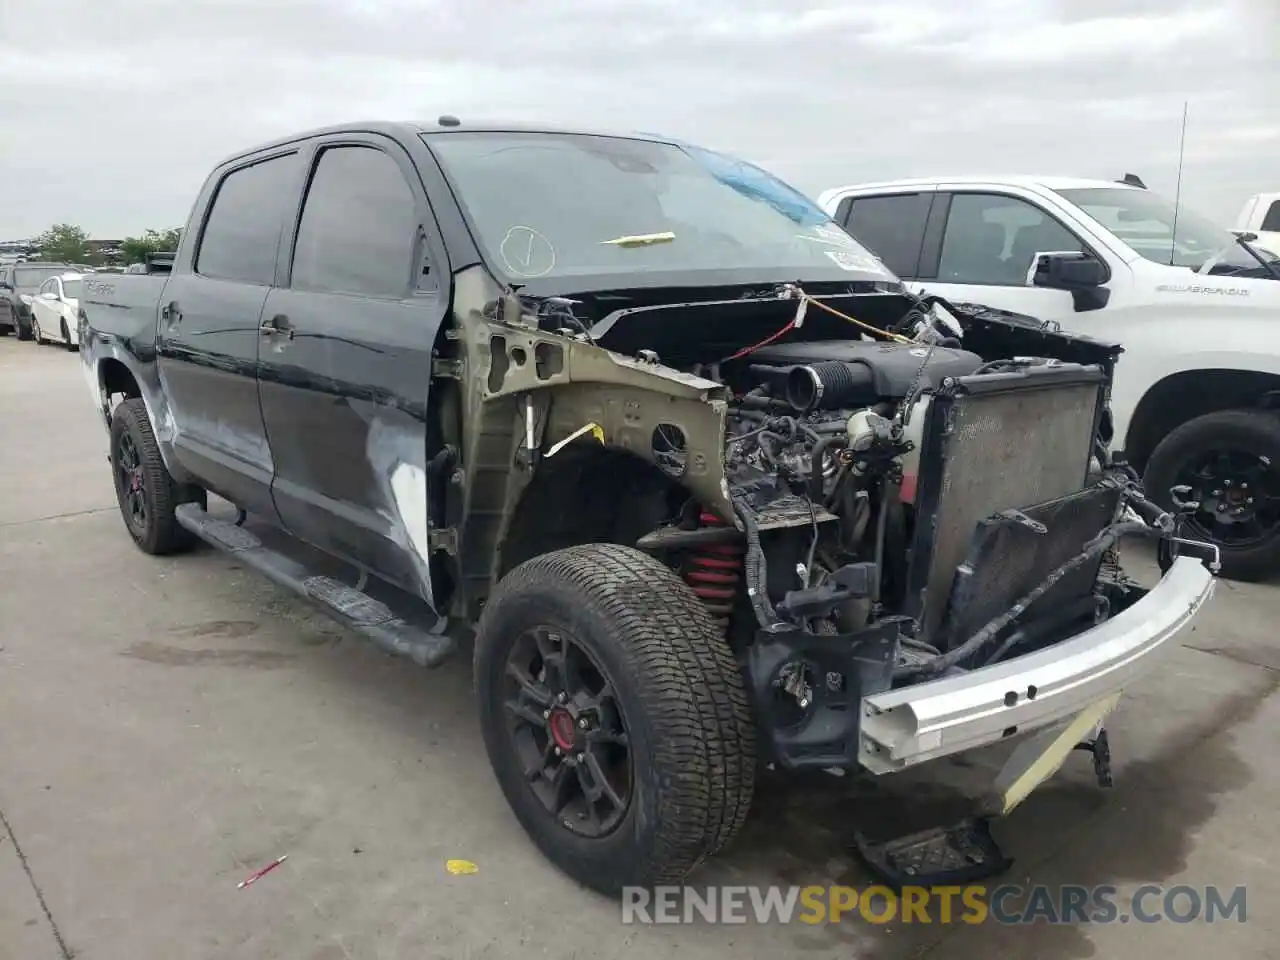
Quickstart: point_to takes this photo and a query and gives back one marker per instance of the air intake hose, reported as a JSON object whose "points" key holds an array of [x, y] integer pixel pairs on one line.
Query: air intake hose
{"points": [[828, 385]]}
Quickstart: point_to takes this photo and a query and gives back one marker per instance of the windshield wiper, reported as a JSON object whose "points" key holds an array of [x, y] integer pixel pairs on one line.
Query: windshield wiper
{"points": [[1246, 240]]}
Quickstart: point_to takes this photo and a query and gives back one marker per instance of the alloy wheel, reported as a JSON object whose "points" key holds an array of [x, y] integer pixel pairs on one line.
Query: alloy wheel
{"points": [[1239, 496], [131, 482], [567, 730]]}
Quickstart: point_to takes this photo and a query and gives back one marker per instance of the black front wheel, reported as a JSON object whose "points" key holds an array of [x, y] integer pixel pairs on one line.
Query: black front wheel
{"points": [[146, 492], [1231, 462], [614, 715], [23, 328]]}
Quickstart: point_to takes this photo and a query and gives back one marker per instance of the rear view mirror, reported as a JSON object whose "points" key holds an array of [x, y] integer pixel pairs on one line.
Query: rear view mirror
{"points": [[1076, 272], [1068, 271]]}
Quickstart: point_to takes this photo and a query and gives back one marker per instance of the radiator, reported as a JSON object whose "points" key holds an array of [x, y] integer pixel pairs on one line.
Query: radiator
{"points": [[991, 443]]}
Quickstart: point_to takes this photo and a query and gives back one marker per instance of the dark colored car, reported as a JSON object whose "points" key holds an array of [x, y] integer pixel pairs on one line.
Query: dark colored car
{"points": [[711, 487], [18, 284]]}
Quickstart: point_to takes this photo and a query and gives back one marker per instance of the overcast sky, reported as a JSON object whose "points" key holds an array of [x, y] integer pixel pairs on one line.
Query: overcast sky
{"points": [[112, 111]]}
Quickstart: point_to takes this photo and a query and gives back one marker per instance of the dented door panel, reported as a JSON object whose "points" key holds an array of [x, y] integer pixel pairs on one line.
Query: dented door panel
{"points": [[344, 393]]}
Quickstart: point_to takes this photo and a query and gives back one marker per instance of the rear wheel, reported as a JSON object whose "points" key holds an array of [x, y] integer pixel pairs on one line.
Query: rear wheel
{"points": [[1231, 462], [66, 338], [614, 715], [145, 491]]}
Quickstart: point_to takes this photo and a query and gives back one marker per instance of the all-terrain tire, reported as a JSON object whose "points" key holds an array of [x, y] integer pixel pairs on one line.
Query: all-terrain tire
{"points": [[1255, 432], [160, 533], [689, 726]]}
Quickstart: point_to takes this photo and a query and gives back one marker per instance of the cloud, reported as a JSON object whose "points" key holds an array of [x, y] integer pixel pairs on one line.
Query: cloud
{"points": [[144, 96]]}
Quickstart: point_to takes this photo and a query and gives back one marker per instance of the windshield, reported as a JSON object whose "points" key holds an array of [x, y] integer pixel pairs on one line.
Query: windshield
{"points": [[1146, 222], [25, 277], [581, 206], [71, 289]]}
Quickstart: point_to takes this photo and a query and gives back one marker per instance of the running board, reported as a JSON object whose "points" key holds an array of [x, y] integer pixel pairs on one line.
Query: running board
{"points": [[350, 607]]}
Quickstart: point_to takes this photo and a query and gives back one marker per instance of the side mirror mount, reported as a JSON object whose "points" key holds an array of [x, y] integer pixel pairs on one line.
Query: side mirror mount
{"points": [[1080, 274]]}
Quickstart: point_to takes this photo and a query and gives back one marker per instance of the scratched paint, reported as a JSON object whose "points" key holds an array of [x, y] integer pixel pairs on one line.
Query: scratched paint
{"points": [[397, 456]]}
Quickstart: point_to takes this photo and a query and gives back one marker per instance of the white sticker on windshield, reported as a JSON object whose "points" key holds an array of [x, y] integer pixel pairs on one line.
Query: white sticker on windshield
{"points": [[855, 262], [833, 234]]}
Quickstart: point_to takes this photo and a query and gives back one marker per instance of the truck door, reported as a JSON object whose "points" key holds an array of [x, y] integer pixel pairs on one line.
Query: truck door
{"points": [[345, 361], [208, 332], [984, 254]]}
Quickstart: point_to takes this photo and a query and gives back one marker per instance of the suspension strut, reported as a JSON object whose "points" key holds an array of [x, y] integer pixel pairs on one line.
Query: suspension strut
{"points": [[714, 571]]}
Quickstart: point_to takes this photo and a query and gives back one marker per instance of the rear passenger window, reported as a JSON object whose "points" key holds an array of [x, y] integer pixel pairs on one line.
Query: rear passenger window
{"points": [[242, 233], [359, 226], [1271, 222], [893, 228]]}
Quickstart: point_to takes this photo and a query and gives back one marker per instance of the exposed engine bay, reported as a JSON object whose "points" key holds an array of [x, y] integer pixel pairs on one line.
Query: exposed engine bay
{"points": [[919, 489], [920, 500]]}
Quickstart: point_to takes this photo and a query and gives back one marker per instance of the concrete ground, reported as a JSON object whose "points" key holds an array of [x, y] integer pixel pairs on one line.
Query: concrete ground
{"points": [[169, 725]]}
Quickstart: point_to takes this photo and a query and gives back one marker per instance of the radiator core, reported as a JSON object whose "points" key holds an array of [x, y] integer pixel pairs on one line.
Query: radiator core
{"points": [[997, 442]]}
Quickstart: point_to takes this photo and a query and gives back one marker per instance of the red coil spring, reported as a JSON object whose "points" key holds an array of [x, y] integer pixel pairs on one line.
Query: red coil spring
{"points": [[715, 572]]}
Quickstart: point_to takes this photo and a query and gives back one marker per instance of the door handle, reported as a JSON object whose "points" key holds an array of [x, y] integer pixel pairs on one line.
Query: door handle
{"points": [[171, 314], [277, 324]]}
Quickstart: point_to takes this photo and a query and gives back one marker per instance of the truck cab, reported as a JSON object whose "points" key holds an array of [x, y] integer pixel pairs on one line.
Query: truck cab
{"points": [[1195, 307]]}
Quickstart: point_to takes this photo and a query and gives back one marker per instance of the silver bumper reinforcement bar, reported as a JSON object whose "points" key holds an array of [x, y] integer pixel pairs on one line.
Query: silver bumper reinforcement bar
{"points": [[904, 727]]}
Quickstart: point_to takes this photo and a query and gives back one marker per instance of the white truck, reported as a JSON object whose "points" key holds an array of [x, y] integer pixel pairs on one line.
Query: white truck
{"points": [[1261, 217], [1196, 307]]}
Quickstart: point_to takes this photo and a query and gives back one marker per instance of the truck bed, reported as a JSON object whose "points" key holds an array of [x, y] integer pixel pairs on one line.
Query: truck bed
{"points": [[123, 304]]}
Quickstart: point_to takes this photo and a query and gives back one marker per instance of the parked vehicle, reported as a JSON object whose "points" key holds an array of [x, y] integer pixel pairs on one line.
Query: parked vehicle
{"points": [[1198, 317], [152, 263], [711, 487], [55, 311], [19, 283], [1261, 218]]}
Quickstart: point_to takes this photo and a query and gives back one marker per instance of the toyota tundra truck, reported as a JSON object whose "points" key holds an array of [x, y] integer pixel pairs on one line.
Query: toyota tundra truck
{"points": [[712, 488]]}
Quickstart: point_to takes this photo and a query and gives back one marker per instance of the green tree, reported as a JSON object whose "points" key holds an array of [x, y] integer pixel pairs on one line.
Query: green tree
{"points": [[64, 242], [135, 249]]}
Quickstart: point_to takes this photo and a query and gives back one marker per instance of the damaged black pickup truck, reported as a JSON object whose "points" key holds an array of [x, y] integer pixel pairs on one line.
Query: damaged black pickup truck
{"points": [[711, 487]]}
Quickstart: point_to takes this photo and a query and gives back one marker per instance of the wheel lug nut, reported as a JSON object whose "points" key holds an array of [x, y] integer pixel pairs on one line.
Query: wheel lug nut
{"points": [[582, 757], [557, 751], [562, 697], [583, 724], [546, 714]]}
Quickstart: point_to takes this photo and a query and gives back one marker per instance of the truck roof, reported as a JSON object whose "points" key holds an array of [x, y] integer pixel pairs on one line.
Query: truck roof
{"points": [[1030, 182], [409, 129]]}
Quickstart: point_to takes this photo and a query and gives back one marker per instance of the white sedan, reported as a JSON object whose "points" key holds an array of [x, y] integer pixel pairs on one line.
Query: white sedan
{"points": [[55, 310]]}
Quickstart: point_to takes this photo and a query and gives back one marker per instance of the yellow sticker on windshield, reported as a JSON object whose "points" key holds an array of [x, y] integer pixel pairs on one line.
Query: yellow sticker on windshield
{"points": [[641, 239]]}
